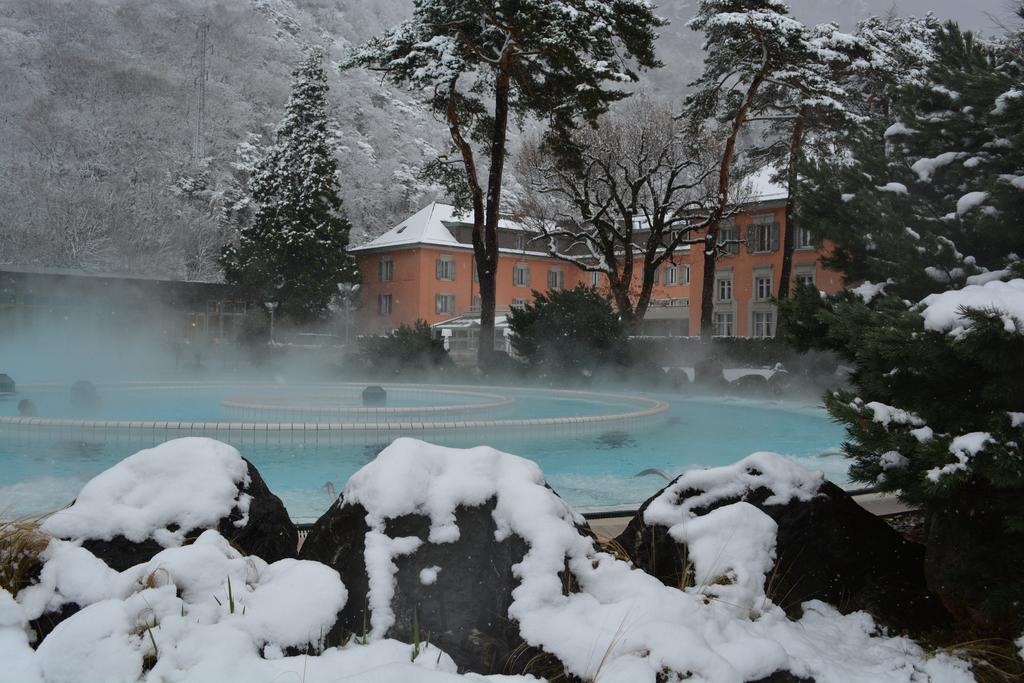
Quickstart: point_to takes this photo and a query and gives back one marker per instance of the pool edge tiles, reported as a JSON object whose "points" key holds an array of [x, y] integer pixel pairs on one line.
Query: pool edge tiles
{"points": [[642, 407]]}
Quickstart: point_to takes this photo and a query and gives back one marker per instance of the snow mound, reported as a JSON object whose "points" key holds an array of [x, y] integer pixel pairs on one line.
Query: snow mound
{"points": [[943, 312], [784, 478], [19, 662], [204, 612], [162, 492]]}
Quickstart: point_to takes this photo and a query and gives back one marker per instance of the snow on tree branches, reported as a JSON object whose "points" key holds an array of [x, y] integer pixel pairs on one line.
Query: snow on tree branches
{"points": [[478, 63], [296, 249]]}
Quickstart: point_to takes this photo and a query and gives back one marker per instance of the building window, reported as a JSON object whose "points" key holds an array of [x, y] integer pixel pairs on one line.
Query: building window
{"points": [[723, 325], [595, 279], [764, 324], [684, 275], [519, 303], [521, 275], [729, 239], [475, 307], [762, 237], [805, 278], [445, 268], [444, 303], [386, 269], [763, 287], [804, 239], [671, 275], [724, 289], [384, 304], [556, 278]]}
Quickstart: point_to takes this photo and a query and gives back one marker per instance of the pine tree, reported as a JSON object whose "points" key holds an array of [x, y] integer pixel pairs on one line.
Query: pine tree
{"points": [[806, 107], [930, 197], [747, 43], [295, 252], [480, 62], [930, 210]]}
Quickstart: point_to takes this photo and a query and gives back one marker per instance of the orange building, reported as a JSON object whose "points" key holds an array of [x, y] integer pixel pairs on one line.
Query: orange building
{"points": [[423, 268]]}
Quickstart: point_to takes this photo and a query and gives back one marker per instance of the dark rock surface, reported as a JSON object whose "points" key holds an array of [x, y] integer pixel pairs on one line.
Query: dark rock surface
{"points": [[464, 612], [828, 549], [83, 396], [375, 397], [269, 532], [750, 385]]}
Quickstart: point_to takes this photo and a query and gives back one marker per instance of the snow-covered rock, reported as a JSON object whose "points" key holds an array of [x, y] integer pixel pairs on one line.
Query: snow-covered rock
{"points": [[765, 521], [205, 612], [435, 539], [159, 497]]}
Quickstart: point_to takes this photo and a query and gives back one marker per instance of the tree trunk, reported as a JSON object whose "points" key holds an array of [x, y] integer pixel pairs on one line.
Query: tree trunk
{"points": [[630, 320], [707, 325], [796, 142], [486, 245], [707, 290]]}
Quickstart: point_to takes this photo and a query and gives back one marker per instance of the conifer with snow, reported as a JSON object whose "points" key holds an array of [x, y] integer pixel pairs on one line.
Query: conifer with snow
{"points": [[747, 43], [928, 212], [479, 63], [805, 107], [295, 252]]}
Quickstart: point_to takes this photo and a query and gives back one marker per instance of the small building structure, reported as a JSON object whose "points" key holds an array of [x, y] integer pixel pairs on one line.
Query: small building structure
{"points": [[45, 299]]}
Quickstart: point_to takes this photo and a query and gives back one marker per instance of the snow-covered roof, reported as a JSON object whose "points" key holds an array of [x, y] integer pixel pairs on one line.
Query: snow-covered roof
{"points": [[761, 188], [426, 226], [430, 225]]}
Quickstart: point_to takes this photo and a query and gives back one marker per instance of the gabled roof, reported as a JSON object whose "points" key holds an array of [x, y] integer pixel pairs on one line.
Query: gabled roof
{"points": [[430, 225], [426, 226]]}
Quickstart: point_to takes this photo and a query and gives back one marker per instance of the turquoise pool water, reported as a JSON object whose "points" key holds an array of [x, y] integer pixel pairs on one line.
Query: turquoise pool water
{"points": [[43, 470]]}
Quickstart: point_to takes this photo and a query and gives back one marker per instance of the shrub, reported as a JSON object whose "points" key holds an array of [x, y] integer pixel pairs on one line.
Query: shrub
{"points": [[573, 332], [409, 348]]}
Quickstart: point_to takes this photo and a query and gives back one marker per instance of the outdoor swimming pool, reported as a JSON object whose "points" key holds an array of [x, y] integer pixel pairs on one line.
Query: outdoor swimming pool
{"points": [[589, 444]]}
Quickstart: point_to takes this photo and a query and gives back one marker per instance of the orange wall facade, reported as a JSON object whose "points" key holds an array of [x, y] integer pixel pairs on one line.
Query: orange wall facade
{"points": [[414, 284]]}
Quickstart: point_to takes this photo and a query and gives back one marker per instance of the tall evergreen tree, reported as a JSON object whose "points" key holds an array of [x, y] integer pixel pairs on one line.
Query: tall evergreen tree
{"points": [[931, 196], [930, 211], [295, 252], [481, 61], [747, 43], [805, 108]]}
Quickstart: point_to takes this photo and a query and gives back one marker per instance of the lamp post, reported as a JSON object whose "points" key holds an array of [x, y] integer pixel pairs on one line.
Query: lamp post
{"points": [[347, 290], [271, 306]]}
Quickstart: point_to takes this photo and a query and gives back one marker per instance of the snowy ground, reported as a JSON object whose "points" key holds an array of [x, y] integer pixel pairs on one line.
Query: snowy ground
{"points": [[203, 612]]}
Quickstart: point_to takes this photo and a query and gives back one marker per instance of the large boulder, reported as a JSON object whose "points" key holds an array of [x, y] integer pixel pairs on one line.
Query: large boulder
{"points": [[167, 496], [427, 541], [828, 548]]}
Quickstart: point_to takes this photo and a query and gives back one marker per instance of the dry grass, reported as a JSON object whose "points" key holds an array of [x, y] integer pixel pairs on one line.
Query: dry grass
{"points": [[992, 660], [21, 544]]}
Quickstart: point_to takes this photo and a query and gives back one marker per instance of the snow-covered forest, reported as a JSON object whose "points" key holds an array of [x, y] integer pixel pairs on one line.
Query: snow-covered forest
{"points": [[127, 129]]}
